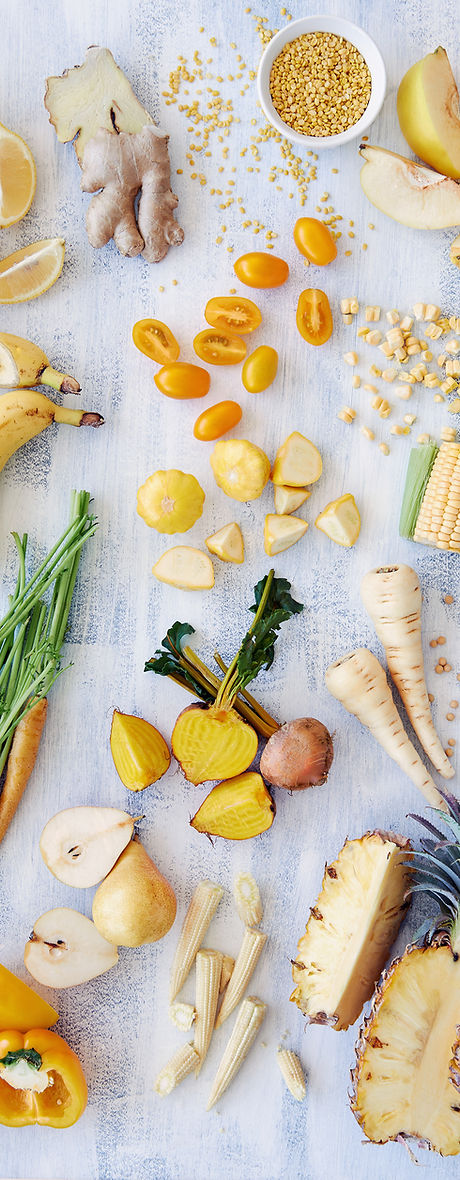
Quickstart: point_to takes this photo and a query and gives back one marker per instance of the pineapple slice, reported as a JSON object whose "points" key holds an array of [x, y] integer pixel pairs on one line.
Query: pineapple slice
{"points": [[185, 567], [297, 462], [281, 532], [340, 520], [227, 543], [288, 499], [407, 1076], [351, 928]]}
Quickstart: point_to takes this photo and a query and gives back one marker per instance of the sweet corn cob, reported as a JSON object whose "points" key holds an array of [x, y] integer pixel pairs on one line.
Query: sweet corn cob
{"points": [[247, 959], [292, 1072], [245, 1029], [431, 504], [208, 975], [227, 967], [247, 899], [182, 1015], [201, 910], [178, 1067]]}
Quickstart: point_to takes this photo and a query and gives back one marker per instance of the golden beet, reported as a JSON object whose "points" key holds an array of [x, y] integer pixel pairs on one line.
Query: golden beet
{"points": [[212, 743], [140, 753], [237, 809]]}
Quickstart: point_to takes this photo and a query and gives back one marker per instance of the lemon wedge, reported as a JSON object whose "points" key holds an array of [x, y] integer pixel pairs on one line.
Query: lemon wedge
{"points": [[340, 520], [18, 177], [31, 271]]}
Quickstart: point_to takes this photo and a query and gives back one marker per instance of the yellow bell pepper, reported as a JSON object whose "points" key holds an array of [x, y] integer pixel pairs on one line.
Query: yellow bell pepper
{"points": [[20, 1007], [41, 1080]]}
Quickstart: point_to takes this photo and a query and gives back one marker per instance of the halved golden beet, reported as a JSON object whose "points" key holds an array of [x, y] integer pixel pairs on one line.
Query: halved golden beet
{"points": [[212, 743], [140, 753], [237, 809]]}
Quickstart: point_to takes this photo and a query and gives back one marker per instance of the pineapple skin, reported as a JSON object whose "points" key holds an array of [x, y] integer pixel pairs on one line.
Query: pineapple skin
{"points": [[380, 1122], [349, 913]]}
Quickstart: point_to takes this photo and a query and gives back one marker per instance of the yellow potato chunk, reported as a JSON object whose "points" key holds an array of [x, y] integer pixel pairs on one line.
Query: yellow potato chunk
{"points": [[170, 501], [186, 568], [297, 463], [340, 520]]}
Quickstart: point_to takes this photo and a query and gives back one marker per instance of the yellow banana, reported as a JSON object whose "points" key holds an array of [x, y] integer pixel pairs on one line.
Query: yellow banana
{"points": [[26, 412], [23, 363]]}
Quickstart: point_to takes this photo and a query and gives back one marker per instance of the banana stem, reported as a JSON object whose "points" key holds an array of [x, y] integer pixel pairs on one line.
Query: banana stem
{"points": [[60, 381], [76, 417]]}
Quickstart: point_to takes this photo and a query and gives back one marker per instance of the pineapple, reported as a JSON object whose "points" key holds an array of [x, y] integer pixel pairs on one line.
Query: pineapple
{"points": [[351, 928], [406, 1081]]}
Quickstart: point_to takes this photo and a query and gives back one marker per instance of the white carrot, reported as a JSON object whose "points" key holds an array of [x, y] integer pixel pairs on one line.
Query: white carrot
{"points": [[358, 681], [393, 599]]}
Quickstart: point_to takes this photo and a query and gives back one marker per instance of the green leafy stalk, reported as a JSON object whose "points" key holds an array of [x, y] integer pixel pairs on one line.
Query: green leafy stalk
{"points": [[32, 631], [273, 606]]}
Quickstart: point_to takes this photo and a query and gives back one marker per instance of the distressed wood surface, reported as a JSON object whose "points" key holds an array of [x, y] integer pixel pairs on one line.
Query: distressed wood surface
{"points": [[119, 1023]]}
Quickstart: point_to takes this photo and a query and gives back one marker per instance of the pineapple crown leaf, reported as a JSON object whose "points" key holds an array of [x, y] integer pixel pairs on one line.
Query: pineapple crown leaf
{"points": [[440, 870], [437, 872]]}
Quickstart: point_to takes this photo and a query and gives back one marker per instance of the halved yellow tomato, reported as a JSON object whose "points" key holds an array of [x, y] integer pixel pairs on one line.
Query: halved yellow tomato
{"points": [[233, 313], [219, 348], [215, 421], [259, 369], [261, 270], [314, 316], [180, 380], [314, 241], [156, 341]]}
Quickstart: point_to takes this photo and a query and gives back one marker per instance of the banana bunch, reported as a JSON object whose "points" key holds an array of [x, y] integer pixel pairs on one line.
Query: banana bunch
{"points": [[23, 363], [26, 412]]}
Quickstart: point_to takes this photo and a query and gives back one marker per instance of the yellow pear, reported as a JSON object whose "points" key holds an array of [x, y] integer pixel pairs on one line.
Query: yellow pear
{"points": [[135, 904], [428, 112]]}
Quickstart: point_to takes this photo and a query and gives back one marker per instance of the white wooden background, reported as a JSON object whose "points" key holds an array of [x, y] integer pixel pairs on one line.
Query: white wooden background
{"points": [[119, 1023]]}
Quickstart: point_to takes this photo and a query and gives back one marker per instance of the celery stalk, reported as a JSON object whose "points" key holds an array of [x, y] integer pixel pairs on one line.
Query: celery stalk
{"points": [[421, 460]]}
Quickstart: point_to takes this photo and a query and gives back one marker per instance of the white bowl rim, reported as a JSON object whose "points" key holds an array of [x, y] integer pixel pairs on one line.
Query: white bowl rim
{"points": [[342, 27]]}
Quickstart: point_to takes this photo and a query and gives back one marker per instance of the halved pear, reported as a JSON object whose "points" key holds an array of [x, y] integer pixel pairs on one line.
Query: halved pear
{"points": [[297, 462], [428, 112], [288, 499], [185, 567], [81, 844], [281, 532], [455, 251], [66, 949], [409, 192], [227, 543]]}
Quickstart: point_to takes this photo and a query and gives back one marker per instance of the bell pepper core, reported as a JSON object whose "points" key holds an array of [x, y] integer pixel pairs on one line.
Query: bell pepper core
{"points": [[26, 1058]]}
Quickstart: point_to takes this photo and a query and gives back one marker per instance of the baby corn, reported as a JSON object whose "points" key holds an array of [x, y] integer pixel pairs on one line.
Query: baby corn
{"points": [[201, 910], [182, 1015], [208, 976], [246, 1027], [178, 1067], [292, 1072], [250, 951], [247, 899], [227, 967]]}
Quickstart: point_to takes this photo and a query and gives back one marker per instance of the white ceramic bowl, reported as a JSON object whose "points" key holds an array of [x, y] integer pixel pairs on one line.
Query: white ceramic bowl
{"points": [[371, 55]]}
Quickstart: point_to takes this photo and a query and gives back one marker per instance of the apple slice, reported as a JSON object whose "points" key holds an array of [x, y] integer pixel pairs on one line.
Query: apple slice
{"points": [[297, 462], [81, 844], [287, 499], [66, 949], [228, 543], [186, 568], [281, 532], [409, 192], [428, 112], [340, 520]]}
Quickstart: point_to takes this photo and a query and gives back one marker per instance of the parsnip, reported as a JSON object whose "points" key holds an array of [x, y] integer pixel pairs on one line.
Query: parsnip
{"points": [[358, 681], [392, 597]]}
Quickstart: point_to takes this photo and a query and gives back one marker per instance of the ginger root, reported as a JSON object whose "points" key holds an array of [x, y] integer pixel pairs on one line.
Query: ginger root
{"points": [[121, 152]]}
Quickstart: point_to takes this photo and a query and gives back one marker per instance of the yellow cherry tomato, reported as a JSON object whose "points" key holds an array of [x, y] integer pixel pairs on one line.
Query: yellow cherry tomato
{"points": [[314, 316], [180, 380], [314, 241], [219, 348], [261, 270], [156, 341], [233, 313], [217, 420], [260, 368]]}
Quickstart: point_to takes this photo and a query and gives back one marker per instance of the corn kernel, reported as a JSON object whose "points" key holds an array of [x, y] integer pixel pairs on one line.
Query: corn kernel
{"points": [[453, 347], [372, 314], [453, 368], [377, 402], [441, 360], [409, 419], [348, 318], [345, 306], [403, 391], [389, 375], [367, 433], [363, 331], [392, 316], [401, 354], [356, 381], [412, 349], [374, 371], [406, 323], [350, 358], [384, 448], [370, 388], [454, 407], [397, 429], [419, 311], [432, 312], [354, 305], [423, 438], [433, 331], [374, 337], [345, 415], [438, 397], [448, 385], [387, 350], [448, 434], [431, 380]]}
